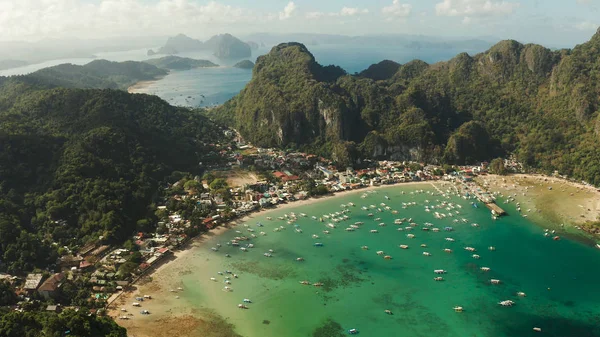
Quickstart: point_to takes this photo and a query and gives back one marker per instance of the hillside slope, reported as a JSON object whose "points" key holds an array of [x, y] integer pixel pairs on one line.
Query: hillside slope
{"points": [[539, 104], [79, 164]]}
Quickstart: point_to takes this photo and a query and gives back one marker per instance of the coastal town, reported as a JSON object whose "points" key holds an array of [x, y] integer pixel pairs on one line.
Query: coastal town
{"points": [[262, 179]]}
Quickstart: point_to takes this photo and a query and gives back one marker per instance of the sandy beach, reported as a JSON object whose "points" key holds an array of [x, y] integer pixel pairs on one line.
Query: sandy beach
{"points": [[162, 284], [549, 200], [134, 89]]}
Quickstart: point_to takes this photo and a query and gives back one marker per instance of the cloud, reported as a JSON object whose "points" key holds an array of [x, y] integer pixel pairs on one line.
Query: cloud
{"points": [[586, 25], [26, 19], [315, 15], [345, 11], [466, 20], [477, 8], [397, 9], [288, 11]]}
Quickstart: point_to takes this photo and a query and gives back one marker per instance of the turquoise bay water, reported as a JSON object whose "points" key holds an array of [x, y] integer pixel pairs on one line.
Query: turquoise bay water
{"points": [[560, 278]]}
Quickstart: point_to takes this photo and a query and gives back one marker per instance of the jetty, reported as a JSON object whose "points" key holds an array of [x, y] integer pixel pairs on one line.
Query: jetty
{"points": [[483, 196]]}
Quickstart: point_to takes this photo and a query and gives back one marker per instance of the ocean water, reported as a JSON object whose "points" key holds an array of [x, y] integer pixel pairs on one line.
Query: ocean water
{"points": [[560, 278]]}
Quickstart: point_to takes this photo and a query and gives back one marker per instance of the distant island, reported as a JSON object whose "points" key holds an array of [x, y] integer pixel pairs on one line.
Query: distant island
{"points": [[245, 64], [8, 64], [223, 46], [98, 74], [180, 63]]}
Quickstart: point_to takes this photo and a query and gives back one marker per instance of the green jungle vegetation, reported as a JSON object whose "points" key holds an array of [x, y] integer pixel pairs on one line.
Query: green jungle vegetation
{"points": [[72, 323], [180, 63], [79, 165], [538, 104], [98, 74]]}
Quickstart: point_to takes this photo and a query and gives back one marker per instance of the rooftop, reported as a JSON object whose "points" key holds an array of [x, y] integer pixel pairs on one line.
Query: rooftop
{"points": [[33, 281], [52, 283]]}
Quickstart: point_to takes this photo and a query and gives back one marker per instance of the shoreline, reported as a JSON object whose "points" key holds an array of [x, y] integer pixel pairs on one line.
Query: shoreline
{"points": [[156, 279], [166, 275], [550, 201], [134, 88]]}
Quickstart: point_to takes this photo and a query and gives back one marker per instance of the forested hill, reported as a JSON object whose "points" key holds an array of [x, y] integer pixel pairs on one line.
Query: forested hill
{"points": [[539, 104], [98, 74], [79, 164], [180, 63]]}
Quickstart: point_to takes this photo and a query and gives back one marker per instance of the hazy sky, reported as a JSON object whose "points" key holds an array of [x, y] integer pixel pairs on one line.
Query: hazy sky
{"points": [[552, 22]]}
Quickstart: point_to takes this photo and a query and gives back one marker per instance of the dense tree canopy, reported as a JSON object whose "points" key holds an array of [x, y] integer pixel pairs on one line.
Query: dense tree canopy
{"points": [[68, 323], [538, 104], [77, 165]]}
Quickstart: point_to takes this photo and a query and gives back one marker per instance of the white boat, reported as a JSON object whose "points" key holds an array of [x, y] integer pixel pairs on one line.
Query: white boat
{"points": [[374, 231], [506, 303], [426, 253], [350, 229], [475, 256], [449, 239], [447, 250], [491, 248], [365, 247], [471, 249], [410, 236], [521, 294], [380, 252], [458, 309], [404, 246], [439, 278], [439, 271], [485, 268], [537, 329], [494, 281], [330, 225]]}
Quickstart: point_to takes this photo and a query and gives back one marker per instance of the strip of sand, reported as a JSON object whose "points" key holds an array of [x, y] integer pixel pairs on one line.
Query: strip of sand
{"points": [[162, 284], [550, 200], [139, 86]]}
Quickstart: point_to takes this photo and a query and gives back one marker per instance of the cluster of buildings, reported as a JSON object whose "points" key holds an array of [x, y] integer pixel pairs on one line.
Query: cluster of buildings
{"points": [[108, 270]]}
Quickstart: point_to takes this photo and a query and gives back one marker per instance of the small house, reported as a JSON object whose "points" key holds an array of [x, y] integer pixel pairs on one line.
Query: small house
{"points": [[50, 287]]}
